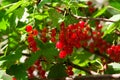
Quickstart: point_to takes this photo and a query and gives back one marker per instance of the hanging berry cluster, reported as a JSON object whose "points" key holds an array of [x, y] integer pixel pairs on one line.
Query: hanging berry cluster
{"points": [[80, 35], [91, 8], [30, 38], [36, 71], [43, 36], [53, 34], [114, 53]]}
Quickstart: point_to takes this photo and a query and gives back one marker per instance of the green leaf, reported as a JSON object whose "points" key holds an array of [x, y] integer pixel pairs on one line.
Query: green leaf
{"points": [[109, 29], [57, 71], [115, 4], [48, 50], [81, 57], [82, 5], [115, 17], [70, 20], [100, 12], [14, 6], [12, 22], [11, 59], [112, 26], [113, 68], [111, 10], [95, 65], [19, 71], [55, 17], [30, 61], [4, 24], [19, 12]]}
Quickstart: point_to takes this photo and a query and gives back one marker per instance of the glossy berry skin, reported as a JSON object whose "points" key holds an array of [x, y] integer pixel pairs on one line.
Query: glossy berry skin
{"points": [[28, 28], [114, 53], [81, 24], [59, 45], [30, 38], [62, 54]]}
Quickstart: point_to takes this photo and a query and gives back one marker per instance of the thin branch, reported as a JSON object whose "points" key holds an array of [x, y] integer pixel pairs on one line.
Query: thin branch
{"points": [[96, 19], [99, 77], [117, 32], [62, 11], [81, 17]]}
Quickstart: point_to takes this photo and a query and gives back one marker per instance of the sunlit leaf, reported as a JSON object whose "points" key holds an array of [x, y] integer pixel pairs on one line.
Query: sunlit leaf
{"points": [[15, 6], [100, 12]]}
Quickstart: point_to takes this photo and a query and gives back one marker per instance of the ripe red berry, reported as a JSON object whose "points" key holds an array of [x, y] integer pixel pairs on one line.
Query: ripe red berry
{"points": [[39, 68], [70, 73], [69, 67], [30, 39], [89, 3], [114, 53], [28, 28], [53, 32], [37, 63], [74, 36], [35, 32], [30, 76], [81, 24], [99, 27], [91, 9], [59, 45], [53, 39], [62, 54], [44, 39], [14, 78]]}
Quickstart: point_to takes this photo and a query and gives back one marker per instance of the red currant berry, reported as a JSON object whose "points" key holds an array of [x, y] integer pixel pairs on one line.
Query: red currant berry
{"points": [[69, 67], [30, 39], [89, 3], [28, 28], [62, 54], [35, 32], [81, 24], [53, 39], [70, 73], [99, 27], [59, 45]]}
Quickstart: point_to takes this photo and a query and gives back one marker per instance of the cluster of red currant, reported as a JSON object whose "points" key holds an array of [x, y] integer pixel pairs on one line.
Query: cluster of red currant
{"points": [[90, 7], [53, 34], [36, 71], [80, 35], [114, 53], [43, 34], [69, 70], [96, 40], [31, 34]]}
